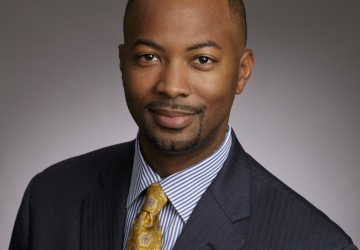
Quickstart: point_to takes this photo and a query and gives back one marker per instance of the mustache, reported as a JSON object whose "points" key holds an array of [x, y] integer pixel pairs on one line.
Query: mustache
{"points": [[193, 109]]}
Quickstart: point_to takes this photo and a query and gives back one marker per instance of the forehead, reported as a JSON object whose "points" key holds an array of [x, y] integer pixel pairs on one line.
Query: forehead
{"points": [[180, 19]]}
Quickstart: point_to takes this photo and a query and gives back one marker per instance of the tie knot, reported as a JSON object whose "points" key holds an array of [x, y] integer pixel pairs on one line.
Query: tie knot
{"points": [[155, 199]]}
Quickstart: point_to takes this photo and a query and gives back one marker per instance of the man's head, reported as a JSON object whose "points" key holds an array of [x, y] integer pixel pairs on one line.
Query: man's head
{"points": [[182, 63]]}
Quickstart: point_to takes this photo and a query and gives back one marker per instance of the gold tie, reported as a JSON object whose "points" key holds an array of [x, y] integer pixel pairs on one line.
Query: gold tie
{"points": [[146, 231]]}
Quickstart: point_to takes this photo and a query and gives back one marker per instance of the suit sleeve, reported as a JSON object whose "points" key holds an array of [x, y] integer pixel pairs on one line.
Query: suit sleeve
{"points": [[20, 239], [350, 247]]}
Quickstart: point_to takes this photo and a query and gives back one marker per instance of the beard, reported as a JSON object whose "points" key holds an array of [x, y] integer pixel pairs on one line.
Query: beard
{"points": [[176, 140]]}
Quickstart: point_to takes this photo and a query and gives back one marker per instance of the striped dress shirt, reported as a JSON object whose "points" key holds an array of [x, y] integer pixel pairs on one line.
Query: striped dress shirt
{"points": [[183, 189]]}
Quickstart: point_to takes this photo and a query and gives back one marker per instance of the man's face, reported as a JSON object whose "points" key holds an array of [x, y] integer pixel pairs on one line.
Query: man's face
{"points": [[181, 68]]}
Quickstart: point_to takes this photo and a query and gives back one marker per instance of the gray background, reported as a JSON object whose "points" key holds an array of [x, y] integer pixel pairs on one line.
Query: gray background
{"points": [[61, 95]]}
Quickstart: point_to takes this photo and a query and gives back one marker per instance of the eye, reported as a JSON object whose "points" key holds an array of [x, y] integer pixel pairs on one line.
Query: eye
{"points": [[148, 57], [203, 60], [204, 63]]}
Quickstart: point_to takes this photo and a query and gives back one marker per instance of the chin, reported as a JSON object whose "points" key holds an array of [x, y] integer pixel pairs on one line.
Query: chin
{"points": [[175, 146], [173, 140]]}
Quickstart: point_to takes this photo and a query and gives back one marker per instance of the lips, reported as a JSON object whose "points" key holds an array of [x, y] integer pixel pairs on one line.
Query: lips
{"points": [[173, 119]]}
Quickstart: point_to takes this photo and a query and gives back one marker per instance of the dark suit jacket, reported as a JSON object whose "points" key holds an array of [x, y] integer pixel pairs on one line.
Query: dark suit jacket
{"points": [[80, 203]]}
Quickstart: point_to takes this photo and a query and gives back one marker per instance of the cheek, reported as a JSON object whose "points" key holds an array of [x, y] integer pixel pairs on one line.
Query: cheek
{"points": [[216, 88], [135, 93], [137, 86]]}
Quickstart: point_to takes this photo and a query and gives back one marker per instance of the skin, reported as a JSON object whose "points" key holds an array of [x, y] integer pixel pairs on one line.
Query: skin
{"points": [[182, 64]]}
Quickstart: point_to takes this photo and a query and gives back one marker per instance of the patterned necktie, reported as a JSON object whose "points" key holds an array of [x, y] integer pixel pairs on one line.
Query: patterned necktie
{"points": [[146, 231]]}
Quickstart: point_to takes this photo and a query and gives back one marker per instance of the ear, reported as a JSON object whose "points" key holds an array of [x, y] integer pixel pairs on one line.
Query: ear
{"points": [[121, 54], [246, 65]]}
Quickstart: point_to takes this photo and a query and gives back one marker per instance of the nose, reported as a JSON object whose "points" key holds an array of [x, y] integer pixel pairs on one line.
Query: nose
{"points": [[174, 81]]}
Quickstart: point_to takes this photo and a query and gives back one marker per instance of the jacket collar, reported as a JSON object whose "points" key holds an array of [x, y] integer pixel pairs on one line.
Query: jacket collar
{"points": [[212, 225], [231, 188]]}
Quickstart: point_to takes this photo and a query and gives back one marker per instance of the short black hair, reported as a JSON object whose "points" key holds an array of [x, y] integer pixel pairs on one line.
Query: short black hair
{"points": [[237, 11]]}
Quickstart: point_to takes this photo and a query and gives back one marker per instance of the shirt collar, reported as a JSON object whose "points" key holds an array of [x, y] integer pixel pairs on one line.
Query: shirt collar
{"points": [[184, 188]]}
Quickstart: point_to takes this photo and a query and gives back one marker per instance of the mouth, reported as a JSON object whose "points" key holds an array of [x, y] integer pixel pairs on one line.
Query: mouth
{"points": [[172, 119]]}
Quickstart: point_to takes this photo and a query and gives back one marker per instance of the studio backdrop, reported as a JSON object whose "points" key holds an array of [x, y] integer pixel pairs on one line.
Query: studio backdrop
{"points": [[61, 95]]}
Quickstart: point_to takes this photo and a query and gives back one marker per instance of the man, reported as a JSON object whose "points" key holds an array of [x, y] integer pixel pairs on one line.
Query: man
{"points": [[185, 182]]}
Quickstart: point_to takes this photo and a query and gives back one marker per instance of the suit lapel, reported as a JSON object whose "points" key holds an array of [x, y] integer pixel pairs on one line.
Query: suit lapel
{"points": [[209, 228], [214, 223], [103, 213]]}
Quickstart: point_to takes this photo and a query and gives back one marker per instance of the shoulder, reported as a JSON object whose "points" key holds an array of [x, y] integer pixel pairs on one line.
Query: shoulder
{"points": [[81, 174], [54, 198], [283, 212]]}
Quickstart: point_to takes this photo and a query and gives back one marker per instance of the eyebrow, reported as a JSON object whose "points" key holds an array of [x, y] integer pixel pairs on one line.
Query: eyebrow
{"points": [[154, 45], [148, 43], [204, 44]]}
